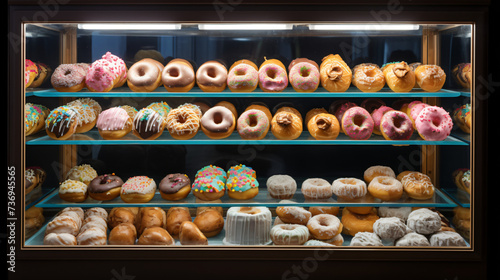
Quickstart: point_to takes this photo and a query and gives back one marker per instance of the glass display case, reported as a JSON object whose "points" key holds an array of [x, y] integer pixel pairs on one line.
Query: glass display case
{"points": [[89, 38]]}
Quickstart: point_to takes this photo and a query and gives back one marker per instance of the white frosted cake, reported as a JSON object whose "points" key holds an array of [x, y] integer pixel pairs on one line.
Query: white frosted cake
{"points": [[248, 226]]}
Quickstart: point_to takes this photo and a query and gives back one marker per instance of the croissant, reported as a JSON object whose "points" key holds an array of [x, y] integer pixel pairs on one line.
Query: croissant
{"points": [[335, 75], [399, 76]]}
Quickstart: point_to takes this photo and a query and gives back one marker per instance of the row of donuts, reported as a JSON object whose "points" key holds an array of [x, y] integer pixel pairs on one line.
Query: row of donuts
{"points": [[358, 122], [303, 74], [318, 226], [211, 183]]}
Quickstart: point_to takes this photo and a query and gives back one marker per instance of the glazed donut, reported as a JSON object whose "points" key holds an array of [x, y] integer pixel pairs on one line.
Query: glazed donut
{"points": [[175, 217], [242, 186], [354, 223], [368, 77], [447, 238], [30, 72], [424, 221], [316, 210], [155, 236], [293, 214], [399, 76], [412, 239], [389, 228], [377, 115], [218, 122], [281, 186], [253, 124], [84, 173], [304, 75], [285, 234], [385, 188], [324, 226], [357, 123], [313, 112], [335, 75], [396, 125], [88, 116], [138, 189], [272, 76], [190, 234], [377, 170], [148, 124], [175, 186], [105, 187], [316, 188], [323, 126], [73, 191], [183, 123], [58, 239], [349, 188], [193, 107], [64, 224], [366, 239], [92, 237], [210, 222], [286, 125], [114, 123], [68, 78], [243, 76], [61, 122], [117, 66], [123, 234], [434, 123], [144, 76], [101, 76], [178, 75], [211, 76], [418, 186], [430, 77]]}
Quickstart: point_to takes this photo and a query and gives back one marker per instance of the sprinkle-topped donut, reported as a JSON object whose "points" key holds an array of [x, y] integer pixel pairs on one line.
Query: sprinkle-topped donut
{"points": [[396, 125], [101, 76], [148, 124], [62, 121], [139, 184], [272, 76], [304, 75], [68, 77], [434, 123], [357, 123], [241, 183], [117, 65], [242, 77], [253, 124]]}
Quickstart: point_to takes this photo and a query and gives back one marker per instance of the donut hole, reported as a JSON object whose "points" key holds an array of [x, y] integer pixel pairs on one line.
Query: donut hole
{"points": [[240, 72], [212, 73], [436, 122], [271, 73], [252, 121], [218, 118], [304, 72], [68, 72], [358, 120], [141, 72], [174, 72], [181, 119], [398, 121]]}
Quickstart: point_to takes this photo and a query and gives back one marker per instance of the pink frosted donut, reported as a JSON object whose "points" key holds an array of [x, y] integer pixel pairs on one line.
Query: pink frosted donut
{"points": [[68, 77], [415, 110], [304, 77], [242, 77], [434, 123], [272, 78], [101, 76], [357, 123], [377, 116], [339, 112], [119, 66], [253, 124], [396, 125]]}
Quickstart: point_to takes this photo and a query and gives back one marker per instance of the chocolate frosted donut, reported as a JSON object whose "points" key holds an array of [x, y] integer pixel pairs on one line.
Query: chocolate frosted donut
{"points": [[105, 187], [175, 186], [148, 124], [211, 76], [178, 75], [172, 183]]}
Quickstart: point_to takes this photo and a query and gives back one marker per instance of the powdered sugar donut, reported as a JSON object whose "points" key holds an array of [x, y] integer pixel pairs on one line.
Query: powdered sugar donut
{"points": [[365, 238], [424, 221], [324, 226], [316, 188], [412, 239], [349, 188], [389, 228], [447, 238], [434, 123], [398, 212], [281, 186]]}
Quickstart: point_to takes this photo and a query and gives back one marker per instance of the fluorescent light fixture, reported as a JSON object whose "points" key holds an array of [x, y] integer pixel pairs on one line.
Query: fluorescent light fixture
{"points": [[129, 26], [245, 26], [365, 27]]}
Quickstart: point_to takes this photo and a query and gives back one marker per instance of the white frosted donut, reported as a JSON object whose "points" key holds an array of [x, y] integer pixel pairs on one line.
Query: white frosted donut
{"points": [[349, 188], [316, 188], [447, 238], [98, 211], [286, 234], [63, 224], [281, 186], [412, 239], [91, 236], [389, 228], [59, 239], [314, 242], [324, 226], [377, 170], [424, 221], [365, 238], [399, 212], [293, 214], [78, 210]]}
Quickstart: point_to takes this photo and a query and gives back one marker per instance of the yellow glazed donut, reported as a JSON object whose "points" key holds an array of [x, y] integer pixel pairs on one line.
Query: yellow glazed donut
{"points": [[418, 186], [386, 188], [377, 170]]}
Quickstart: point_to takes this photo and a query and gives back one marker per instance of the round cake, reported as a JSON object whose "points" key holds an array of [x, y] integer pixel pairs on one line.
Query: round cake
{"points": [[248, 226]]}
